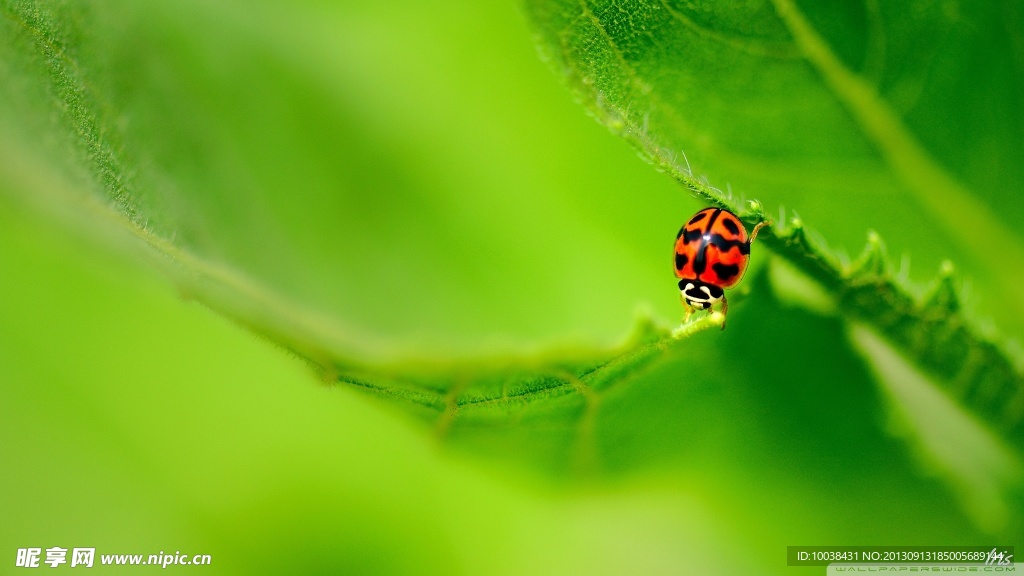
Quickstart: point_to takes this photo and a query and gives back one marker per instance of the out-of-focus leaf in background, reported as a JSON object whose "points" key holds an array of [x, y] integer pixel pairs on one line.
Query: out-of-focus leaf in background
{"points": [[400, 169], [394, 192]]}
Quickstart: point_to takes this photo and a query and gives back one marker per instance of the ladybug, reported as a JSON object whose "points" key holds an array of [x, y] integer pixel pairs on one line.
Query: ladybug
{"points": [[712, 251]]}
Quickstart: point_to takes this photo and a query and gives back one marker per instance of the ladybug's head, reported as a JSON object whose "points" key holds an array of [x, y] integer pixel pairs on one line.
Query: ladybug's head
{"points": [[700, 295]]}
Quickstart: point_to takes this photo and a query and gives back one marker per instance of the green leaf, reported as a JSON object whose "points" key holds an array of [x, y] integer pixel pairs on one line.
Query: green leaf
{"points": [[424, 220], [724, 89]]}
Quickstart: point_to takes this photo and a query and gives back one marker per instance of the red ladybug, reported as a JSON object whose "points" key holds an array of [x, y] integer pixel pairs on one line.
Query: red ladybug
{"points": [[712, 251]]}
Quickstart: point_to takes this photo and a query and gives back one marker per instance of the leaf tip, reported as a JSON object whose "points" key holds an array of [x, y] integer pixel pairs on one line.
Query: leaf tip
{"points": [[755, 212], [943, 297], [872, 262], [946, 269]]}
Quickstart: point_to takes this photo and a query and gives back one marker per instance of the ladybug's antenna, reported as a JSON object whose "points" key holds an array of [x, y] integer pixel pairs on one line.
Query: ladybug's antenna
{"points": [[756, 228]]}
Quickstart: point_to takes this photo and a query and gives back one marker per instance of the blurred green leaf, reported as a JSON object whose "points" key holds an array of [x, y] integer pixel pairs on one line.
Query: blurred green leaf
{"points": [[194, 435], [416, 181]]}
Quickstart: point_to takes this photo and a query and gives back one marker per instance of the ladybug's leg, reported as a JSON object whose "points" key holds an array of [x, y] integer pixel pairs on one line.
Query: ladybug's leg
{"points": [[686, 308], [725, 310]]}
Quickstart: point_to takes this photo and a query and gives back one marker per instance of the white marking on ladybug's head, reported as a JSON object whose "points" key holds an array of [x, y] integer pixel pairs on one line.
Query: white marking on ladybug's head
{"points": [[702, 296]]}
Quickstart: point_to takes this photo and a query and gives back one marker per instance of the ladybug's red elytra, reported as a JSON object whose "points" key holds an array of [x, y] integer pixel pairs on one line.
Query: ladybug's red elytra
{"points": [[712, 251]]}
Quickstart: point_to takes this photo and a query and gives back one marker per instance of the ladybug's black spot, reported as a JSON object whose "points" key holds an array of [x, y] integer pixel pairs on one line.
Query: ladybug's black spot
{"points": [[700, 258], [691, 235], [725, 271], [731, 226], [697, 217], [724, 245], [681, 260]]}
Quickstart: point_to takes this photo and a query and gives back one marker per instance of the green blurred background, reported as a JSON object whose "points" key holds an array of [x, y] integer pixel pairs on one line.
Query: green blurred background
{"points": [[413, 174]]}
